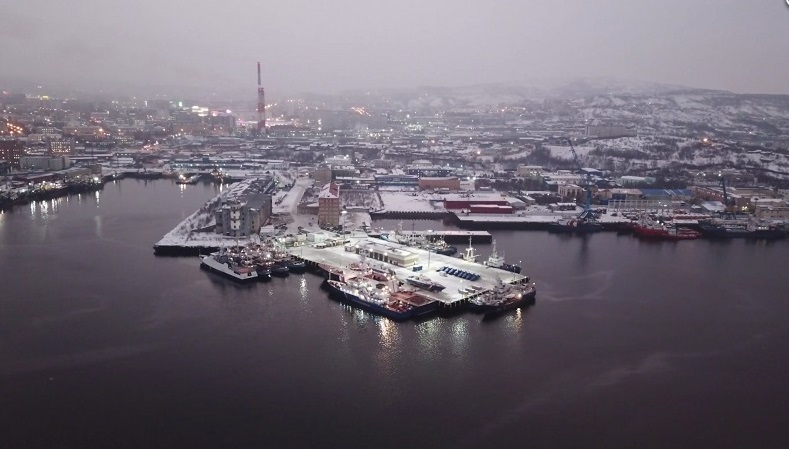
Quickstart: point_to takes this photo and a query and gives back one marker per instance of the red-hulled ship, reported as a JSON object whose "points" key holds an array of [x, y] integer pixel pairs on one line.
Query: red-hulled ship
{"points": [[657, 231]]}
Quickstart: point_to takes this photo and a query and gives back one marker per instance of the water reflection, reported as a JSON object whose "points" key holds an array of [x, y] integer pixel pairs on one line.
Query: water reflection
{"points": [[459, 336], [428, 333], [99, 232], [303, 290], [97, 195], [388, 332]]}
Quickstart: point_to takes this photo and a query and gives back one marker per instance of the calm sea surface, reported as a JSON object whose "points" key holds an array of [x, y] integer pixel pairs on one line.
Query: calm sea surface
{"points": [[630, 344]]}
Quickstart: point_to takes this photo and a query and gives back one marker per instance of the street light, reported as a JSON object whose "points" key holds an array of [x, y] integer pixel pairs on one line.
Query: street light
{"points": [[343, 213]]}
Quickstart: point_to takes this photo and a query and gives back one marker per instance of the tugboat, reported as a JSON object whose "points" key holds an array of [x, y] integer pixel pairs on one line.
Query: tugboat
{"points": [[280, 269], [264, 271], [504, 297], [440, 247], [496, 261], [297, 266]]}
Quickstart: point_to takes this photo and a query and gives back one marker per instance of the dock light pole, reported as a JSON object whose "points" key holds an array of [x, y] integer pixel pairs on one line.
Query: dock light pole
{"points": [[343, 213]]}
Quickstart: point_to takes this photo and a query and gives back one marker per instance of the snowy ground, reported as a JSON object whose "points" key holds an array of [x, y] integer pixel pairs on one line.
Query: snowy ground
{"points": [[188, 234], [410, 202]]}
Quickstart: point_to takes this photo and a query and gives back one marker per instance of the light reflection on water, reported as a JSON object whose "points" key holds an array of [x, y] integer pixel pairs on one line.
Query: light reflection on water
{"points": [[97, 195], [389, 348], [428, 333], [388, 332], [459, 329], [303, 290]]}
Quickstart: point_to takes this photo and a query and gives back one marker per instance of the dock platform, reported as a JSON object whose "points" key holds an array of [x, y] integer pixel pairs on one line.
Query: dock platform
{"points": [[344, 255]]}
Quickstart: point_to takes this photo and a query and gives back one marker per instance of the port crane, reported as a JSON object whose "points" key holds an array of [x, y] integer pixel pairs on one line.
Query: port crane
{"points": [[728, 203], [587, 213]]}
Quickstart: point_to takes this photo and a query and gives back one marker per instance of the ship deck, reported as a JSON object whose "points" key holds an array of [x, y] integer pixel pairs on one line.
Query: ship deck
{"points": [[430, 262]]}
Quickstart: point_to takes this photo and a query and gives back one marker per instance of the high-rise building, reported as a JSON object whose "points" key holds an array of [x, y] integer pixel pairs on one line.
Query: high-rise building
{"points": [[329, 209], [11, 150]]}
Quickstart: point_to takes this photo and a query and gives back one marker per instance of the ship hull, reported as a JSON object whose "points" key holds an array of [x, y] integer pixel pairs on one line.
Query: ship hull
{"points": [[425, 286], [664, 234], [357, 302], [527, 299], [580, 228], [297, 267], [209, 264], [721, 232]]}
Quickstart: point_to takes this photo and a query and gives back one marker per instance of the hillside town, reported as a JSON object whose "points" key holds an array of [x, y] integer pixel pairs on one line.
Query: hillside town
{"points": [[683, 152]]}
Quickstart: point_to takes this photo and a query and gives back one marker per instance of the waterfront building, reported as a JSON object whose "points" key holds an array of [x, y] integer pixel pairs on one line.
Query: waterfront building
{"points": [[242, 218], [464, 201], [571, 191], [329, 209], [246, 212], [451, 183], [385, 252], [772, 211], [44, 162]]}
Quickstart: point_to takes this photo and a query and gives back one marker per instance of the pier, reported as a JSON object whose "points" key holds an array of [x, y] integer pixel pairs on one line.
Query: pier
{"points": [[421, 262], [449, 236]]}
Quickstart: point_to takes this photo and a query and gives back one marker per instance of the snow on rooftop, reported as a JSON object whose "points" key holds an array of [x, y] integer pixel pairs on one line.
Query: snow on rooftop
{"points": [[409, 202]]}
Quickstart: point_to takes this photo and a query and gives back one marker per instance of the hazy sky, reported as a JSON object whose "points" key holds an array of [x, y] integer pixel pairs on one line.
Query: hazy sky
{"points": [[331, 45]]}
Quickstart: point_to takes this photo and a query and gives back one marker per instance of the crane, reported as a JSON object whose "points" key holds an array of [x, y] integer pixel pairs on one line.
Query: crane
{"points": [[728, 203], [587, 214]]}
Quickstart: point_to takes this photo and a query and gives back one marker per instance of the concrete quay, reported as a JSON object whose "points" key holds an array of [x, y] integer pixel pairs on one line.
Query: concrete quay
{"points": [[345, 254]]}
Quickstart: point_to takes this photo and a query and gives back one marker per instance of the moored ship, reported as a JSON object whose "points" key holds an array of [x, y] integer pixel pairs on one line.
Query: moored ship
{"points": [[575, 226], [747, 229], [503, 297], [297, 266], [424, 283], [233, 268], [497, 261], [657, 231], [381, 298]]}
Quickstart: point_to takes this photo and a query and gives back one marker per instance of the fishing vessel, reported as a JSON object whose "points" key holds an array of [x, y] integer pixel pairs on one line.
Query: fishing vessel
{"points": [[497, 261], [237, 269], [382, 298]]}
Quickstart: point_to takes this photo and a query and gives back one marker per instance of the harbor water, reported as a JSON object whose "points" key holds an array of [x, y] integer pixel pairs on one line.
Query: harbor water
{"points": [[630, 344]]}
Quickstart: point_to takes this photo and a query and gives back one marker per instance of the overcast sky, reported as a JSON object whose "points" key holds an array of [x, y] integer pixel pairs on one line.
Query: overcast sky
{"points": [[332, 45]]}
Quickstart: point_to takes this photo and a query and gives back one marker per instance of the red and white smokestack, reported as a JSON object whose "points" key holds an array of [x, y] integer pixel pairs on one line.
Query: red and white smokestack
{"points": [[261, 106]]}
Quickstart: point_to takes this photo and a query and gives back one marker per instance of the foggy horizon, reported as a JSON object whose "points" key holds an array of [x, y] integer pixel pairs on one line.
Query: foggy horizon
{"points": [[352, 45]]}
